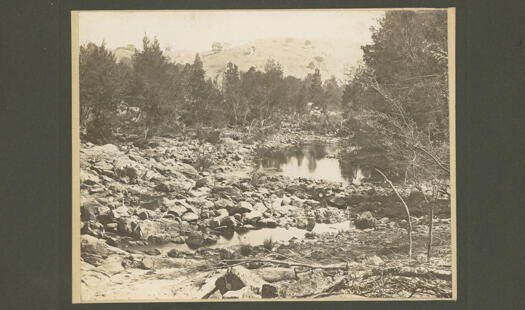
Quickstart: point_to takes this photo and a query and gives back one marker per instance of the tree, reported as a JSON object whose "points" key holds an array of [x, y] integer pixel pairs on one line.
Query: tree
{"points": [[315, 92], [149, 90], [100, 91], [402, 91], [216, 47], [332, 94], [197, 92], [232, 92]]}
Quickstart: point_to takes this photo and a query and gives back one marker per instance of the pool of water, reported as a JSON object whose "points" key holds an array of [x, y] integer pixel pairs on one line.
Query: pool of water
{"points": [[257, 237], [318, 161]]}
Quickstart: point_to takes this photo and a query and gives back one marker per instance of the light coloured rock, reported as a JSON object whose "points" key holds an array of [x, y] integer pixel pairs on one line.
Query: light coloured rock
{"points": [[274, 274], [253, 217], [190, 217], [119, 212], [112, 265], [244, 293], [260, 207], [244, 207], [90, 244], [374, 260]]}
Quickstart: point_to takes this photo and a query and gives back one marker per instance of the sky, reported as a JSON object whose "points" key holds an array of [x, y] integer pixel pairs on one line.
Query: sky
{"points": [[197, 30]]}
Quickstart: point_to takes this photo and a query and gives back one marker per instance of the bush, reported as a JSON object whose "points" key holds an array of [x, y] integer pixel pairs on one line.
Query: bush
{"points": [[246, 249], [268, 243]]}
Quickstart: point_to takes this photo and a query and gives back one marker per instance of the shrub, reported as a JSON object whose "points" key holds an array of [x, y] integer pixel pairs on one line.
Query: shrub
{"points": [[268, 243], [246, 249]]}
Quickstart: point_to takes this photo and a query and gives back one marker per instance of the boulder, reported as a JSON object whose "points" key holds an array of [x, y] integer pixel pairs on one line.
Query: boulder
{"points": [[119, 212], [188, 171], [252, 217], [243, 293], [269, 291], [152, 252], [210, 239], [221, 212], [177, 209], [259, 207], [244, 207], [374, 260], [146, 229], [93, 245], [88, 178], [224, 204], [112, 265], [365, 220], [229, 221], [267, 222], [275, 274], [237, 278], [89, 209], [195, 239], [190, 217], [125, 226], [104, 214]]}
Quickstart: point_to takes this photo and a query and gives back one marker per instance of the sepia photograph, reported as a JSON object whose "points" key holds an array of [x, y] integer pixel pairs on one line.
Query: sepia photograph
{"points": [[263, 155]]}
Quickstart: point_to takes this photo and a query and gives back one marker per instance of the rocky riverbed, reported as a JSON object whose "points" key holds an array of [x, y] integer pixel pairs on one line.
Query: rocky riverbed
{"points": [[166, 220]]}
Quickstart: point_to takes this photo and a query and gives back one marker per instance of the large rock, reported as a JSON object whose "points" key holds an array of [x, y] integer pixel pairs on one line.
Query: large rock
{"points": [[93, 245], [146, 229], [224, 204], [119, 212], [253, 217], [89, 209], [125, 167], [275, 274], [195, 239], [244, 293], [112, 265], [339, 200], [259, 207], [239, 277], [267, 222], [188, 171], [88, 178], [365, 220], [244, 207], [175, 207], [190, 217], [126, 226], [229, 221]]}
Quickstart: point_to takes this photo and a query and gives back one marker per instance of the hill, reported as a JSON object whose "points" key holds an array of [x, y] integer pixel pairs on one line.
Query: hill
{"points": [[297, 57]]}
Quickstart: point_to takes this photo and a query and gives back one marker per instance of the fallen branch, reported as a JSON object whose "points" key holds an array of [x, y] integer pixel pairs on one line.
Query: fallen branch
{"points": [[278, 262], [407, 212], [329, 290], [410, 272]]}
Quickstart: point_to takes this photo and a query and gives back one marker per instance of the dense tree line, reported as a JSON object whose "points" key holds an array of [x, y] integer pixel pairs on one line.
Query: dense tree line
{"points": [[164, 97], [401, 90]]}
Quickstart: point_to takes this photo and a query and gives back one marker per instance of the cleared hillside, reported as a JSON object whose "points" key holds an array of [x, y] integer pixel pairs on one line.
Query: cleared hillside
{"points": [[298, 57]]}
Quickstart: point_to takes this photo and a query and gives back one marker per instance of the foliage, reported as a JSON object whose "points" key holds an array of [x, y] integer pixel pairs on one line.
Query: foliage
{"points": [[268, 243], [148, 95], [100, 91], [401, 90]]}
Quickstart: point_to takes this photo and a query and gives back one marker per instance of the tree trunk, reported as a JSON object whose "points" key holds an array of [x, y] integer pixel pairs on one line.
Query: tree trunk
{"points": [[430, 226], [407, 212]]}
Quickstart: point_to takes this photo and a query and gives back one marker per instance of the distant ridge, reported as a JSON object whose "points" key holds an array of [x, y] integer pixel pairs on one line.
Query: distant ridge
{"points": [[298, 57]]}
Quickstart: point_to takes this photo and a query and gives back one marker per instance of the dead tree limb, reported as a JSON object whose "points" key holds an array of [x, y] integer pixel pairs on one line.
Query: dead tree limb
{"points": [[278, 262], [407, 212]]}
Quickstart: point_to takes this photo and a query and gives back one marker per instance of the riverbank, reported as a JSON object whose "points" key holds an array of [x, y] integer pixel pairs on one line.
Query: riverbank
{"points": [[170, 215]]}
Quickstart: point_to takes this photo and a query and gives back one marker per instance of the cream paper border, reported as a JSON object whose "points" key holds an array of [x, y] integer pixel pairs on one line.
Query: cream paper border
{"points": [[76, 290]]}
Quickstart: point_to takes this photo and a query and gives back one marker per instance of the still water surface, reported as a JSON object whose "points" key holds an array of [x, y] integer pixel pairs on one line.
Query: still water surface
{"points": [[316, 161]]}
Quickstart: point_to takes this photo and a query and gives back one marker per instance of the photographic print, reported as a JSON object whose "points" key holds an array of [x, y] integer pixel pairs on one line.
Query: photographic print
{"points": [[252, 155]]}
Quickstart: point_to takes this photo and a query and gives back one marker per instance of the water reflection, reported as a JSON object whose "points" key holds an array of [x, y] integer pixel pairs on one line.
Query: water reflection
{"points": [[318, 161]]}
